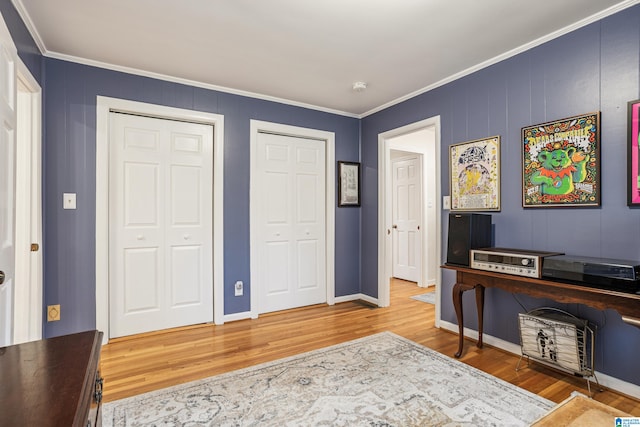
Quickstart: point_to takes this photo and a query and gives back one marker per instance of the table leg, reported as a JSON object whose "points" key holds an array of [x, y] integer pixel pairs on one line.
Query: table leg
{"points": [[458, 289], [480, 308]]}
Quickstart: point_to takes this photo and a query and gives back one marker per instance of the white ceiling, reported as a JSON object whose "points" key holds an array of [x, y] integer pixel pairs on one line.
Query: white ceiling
{"points": [[300, 51]]}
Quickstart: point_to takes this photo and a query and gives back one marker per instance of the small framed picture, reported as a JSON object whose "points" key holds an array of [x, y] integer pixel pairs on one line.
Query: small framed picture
{"points": [[348, 184], [633, 154]]}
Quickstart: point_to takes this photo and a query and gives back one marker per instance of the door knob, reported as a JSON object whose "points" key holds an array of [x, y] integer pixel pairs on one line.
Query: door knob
{"points": [[1, 277], [140, 237], [395, 226]]}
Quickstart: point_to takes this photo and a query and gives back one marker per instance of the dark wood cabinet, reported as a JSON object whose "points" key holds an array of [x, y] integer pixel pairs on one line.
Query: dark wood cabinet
{"points": [[52, 382]]}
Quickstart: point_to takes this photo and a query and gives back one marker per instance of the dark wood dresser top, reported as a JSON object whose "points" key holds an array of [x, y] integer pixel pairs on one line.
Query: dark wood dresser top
{"points": [[49, 382]]}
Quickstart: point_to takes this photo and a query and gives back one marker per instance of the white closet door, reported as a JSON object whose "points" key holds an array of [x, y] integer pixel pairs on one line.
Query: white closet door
{"points": [[292, 252], [161, 201]]}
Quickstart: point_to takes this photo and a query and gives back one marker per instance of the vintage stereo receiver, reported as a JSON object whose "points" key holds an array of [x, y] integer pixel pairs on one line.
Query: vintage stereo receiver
{"points": [[510, 261]]}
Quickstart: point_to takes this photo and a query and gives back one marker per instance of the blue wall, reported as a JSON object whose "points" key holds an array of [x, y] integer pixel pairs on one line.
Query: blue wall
{"points": [[69, 138], [69, 156], [595, 68]]}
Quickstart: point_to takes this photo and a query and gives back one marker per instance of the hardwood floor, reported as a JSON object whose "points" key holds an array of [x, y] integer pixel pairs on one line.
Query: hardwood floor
{"points": [[142, 363]]}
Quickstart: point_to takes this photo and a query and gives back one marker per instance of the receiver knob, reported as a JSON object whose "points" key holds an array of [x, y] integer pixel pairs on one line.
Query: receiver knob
{"points": [[525, 261]]}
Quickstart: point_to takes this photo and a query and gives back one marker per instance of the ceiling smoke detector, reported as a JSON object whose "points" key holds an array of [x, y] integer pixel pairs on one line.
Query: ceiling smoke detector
{"points": [[359, 86]]}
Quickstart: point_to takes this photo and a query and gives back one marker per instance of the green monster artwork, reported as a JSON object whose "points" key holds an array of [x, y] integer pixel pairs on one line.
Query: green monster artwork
{"points": [[560, 163], [559, 169]]}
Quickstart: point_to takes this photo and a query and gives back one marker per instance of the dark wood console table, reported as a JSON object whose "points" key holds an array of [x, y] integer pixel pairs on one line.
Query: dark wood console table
{"points": [[627, 304], [52, 382]]}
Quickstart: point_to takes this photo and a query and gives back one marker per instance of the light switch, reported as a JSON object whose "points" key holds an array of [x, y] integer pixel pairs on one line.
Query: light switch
{"points": [[446, 202], [69, 201]]}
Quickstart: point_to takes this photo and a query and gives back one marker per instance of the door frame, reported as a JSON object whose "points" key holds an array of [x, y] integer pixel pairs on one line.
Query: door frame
{"points": [[385, 243], [8, 164], [257, 127], [104, 105], [28, 300]]}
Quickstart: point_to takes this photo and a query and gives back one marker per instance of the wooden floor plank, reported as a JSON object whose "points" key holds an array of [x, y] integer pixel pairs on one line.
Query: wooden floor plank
{"points": [[141, 363]]}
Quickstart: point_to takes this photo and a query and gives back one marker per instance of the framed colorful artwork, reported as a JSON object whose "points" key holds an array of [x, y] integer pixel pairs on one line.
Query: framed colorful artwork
{"points": [[633, 154], [561, 163], [474, 175]]}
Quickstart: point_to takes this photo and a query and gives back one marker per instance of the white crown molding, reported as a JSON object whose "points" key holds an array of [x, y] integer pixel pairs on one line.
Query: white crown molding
{"points": [[586, 21], [194, 83], [22, 11]]}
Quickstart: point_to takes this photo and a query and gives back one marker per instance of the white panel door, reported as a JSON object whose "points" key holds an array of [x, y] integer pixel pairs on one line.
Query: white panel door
{"points": [[160, 208], [292, 246], [8, 58], [407, 202]]}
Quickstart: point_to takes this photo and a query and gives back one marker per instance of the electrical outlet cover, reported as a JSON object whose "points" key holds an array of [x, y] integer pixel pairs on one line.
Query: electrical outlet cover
{"points": [[69, 200], [53, 313]]}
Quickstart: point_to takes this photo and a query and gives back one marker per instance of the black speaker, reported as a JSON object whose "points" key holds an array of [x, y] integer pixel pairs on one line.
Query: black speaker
{"points": [[467, 231]]}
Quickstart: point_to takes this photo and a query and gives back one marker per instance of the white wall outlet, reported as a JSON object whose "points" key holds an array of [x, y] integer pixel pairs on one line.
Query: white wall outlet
{"points": [[69, 201], [239, 288], [446, 202]]}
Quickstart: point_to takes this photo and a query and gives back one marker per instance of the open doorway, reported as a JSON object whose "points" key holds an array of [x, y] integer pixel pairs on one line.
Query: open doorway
{"points": [[419, 141]]}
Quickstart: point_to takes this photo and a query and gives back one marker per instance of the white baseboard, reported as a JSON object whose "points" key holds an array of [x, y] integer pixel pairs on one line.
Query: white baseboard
{"points": [[248, 314], [355, 297], [346, 298], [605, 380], [237, 316], [488, 339]]}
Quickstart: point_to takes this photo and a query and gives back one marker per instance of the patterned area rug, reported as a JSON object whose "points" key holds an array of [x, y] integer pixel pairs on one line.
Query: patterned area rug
{"points": [[379, 380], [429, 297]]}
